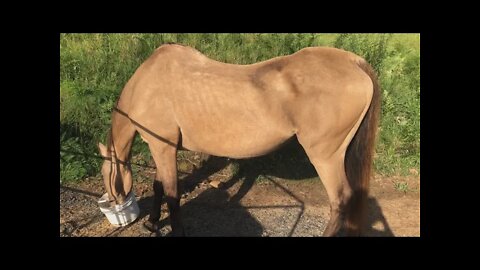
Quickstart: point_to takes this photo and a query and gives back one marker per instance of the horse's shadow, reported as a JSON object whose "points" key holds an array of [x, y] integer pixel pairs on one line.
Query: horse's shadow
{"points": [[375, 217], [215, 213]]}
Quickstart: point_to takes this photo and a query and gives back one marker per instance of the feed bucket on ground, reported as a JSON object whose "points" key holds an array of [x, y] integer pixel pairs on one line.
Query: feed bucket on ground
{"points": [[120, 214]]}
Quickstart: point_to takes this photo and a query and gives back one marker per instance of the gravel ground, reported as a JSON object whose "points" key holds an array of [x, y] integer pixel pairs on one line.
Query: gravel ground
{"points": [[207, 211], [248, 206]]}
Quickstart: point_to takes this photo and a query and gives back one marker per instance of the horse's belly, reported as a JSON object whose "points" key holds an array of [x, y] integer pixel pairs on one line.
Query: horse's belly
{"points": [[236, 122], [240, 145]]}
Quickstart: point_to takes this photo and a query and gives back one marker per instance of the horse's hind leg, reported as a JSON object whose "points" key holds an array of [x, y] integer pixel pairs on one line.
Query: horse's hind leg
{"points": [[327, 154], [165, 184], [332, 173]]}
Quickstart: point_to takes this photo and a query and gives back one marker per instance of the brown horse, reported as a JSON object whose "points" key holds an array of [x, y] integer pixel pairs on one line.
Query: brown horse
{"points": [[328, 98]]}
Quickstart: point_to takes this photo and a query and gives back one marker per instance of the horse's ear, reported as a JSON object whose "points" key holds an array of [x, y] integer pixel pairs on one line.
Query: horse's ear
{"points": [[103, 150]]}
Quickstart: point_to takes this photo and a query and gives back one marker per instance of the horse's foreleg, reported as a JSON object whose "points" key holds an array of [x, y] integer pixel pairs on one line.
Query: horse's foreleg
{"points": [[165, 184], [172, 196], [168, 175], [152, 223]]}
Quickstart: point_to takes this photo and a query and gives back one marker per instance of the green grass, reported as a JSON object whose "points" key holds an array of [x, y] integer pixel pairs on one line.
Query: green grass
{"points": [[95, 67]]}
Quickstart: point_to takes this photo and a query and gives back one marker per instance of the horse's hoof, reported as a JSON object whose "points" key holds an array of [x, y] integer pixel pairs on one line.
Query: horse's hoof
{"points": [[151, 226]]}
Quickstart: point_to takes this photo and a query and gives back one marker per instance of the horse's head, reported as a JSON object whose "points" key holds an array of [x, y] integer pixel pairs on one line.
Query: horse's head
{"points": [[117, 175]]}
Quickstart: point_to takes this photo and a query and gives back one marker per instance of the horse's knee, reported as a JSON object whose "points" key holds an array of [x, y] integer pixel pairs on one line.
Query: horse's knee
{"points": [[171, 192], [171, 195]]}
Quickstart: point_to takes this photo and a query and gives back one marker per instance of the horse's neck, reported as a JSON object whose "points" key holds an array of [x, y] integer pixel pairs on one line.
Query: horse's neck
{"points": [[122, 135]]}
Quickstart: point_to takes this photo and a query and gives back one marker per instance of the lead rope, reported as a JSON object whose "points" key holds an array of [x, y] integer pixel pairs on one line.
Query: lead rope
{"points": [[114, 159], [111, 164]]}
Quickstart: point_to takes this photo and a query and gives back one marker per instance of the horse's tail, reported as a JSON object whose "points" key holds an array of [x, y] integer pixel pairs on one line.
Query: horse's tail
{"points": [[359, 158]]}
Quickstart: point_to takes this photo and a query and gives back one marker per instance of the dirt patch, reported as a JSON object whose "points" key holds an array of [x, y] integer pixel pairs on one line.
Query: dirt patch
{"points": [[243, 205]]}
